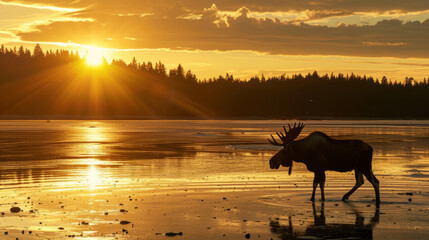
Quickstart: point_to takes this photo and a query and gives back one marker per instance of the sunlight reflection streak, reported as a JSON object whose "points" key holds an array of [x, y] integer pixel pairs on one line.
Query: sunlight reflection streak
{"points": [[93, 177]]}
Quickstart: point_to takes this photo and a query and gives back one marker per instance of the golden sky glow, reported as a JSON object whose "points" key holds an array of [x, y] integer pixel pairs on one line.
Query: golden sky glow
{"points": [[241, 37]]}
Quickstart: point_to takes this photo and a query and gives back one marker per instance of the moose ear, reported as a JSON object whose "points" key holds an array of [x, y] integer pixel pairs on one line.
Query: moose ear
{"points": [[290, 167]]}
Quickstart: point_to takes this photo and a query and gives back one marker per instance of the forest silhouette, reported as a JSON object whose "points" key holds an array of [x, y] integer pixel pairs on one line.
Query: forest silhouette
{"points": [[59, 84]]}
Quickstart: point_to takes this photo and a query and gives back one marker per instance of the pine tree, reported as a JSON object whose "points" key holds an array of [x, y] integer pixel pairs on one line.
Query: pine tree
{"points": [[38, 52]]}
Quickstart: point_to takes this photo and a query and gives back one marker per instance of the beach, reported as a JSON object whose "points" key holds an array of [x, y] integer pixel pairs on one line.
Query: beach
{"points": [[202, 179]]}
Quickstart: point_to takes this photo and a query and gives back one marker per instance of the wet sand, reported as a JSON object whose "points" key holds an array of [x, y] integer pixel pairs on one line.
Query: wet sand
{"points": [[203, 179]]}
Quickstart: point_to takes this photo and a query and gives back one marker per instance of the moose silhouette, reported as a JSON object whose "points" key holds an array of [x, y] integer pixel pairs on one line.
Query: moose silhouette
{"points": [[321, 153]]}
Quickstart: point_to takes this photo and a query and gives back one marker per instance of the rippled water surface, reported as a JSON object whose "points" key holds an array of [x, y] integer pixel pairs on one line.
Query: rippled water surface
{"points": [[208, 179]]}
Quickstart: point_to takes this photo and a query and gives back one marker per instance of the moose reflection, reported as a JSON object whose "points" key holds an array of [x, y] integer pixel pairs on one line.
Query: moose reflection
{"points": [[321, 153], [322, 230]]}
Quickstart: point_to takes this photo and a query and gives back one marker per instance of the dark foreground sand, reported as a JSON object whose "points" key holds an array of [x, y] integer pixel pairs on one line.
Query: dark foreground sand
{"points": [[201, 180]]}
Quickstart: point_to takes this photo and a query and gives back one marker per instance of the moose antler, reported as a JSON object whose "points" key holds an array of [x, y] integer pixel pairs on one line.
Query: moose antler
{"points": [[289, 135]]}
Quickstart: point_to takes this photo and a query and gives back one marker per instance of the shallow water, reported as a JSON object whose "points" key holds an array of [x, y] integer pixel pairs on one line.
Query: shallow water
{"points": [[204, 178]]}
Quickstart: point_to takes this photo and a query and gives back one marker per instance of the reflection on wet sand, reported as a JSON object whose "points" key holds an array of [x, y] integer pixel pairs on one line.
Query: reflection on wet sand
{"points": [[91, 143], [93, 177], [206, 179], [34, 154], [322, 230]]}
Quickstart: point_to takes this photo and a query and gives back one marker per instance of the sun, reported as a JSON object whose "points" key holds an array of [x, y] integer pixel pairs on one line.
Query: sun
{"points": [[94, 56]]}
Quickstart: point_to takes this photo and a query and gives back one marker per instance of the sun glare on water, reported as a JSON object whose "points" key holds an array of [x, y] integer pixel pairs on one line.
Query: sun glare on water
{"points": [[94, 56]]}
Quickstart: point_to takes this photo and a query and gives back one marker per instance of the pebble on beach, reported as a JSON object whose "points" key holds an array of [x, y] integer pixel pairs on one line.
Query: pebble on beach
{"points": [[172, 234], [15, 209]]}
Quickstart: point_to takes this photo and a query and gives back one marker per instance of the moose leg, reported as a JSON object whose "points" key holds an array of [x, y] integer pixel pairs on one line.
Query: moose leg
{"points": [[319, 178], [359, 182], [375, 183], [322, 190], [314, 189], [322, 186]]}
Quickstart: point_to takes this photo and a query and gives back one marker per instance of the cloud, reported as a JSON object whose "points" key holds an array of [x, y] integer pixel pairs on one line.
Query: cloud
{"points": [[232, 5], [215, 31], [233, 25], [384, 43], [37, 6], [412, 64], [318, 14]]}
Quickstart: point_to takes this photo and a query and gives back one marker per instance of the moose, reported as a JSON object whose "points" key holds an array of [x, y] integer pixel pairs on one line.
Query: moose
{"points": [[321, 153]]}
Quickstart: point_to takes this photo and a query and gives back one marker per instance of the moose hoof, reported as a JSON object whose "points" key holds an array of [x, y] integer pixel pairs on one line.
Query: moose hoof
{"points": [[345, 198]]}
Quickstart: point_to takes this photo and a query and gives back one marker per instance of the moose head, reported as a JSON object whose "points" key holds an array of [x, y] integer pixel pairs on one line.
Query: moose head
{"points": [[285, 156]]}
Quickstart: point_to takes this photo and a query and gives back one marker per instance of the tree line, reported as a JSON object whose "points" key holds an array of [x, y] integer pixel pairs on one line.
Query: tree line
{"points": [[60, 84]]}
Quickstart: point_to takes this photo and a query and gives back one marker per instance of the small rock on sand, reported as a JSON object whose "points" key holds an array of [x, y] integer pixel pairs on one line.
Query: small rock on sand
{"points": [[124, 222], [172, 234], [15, 209], [247, 236]]}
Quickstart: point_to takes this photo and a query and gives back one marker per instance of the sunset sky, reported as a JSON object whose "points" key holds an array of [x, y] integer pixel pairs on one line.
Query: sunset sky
{"points": [[243, 38]]}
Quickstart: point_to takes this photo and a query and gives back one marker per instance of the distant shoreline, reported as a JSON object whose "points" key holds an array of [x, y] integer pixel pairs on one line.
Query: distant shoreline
{"points": [[47, 118]]}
